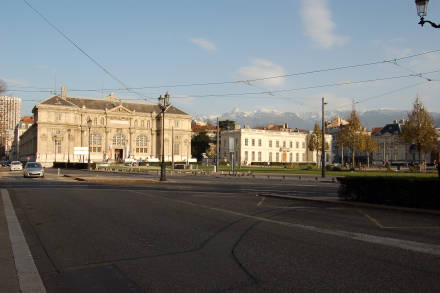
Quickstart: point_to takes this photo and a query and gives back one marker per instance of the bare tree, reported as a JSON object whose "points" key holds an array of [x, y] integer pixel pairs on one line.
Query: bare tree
{"points": [[2, 86]]}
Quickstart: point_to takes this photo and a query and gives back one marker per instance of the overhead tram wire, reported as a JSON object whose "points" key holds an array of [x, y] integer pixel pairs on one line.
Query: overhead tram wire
{"points": [[113, 76], [380, 95], [249, 81]]}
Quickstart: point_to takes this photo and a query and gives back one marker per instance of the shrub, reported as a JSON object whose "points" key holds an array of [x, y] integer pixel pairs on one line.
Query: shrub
{"points": [[399, 191]]}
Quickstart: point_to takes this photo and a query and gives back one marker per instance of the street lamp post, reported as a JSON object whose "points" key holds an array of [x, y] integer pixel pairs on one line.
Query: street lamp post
{"points": [[68, 146], [422, 11], [89, 125], [163, 105]]}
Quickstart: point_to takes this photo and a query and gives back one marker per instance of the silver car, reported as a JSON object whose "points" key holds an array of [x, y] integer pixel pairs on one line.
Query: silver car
{"points": [[33, 169]]}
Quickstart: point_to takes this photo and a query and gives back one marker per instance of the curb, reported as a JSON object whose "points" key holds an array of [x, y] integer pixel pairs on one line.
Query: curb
{"points": [[358, 204], [102, 180]]}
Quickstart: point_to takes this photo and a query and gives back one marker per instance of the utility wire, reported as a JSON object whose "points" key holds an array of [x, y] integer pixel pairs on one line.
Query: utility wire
{"points": [[249, 81], [113, 76]]}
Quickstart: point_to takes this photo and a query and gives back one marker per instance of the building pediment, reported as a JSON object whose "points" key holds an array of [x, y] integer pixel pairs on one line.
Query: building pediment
{"points": [[120, 109]]}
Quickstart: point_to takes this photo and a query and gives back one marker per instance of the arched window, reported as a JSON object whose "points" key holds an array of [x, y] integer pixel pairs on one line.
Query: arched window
{"points": [[141, 144], [102, 121], [148, 124], [143, 124], [95, 143], [135, 123], [95, 121], [118, 139]]}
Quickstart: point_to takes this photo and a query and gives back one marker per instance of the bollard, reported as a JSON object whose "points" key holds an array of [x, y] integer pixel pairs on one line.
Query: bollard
{"points": [[284, 177], [268, 177], [253, 175], [316, 178], [59, 171], [299, 177]]}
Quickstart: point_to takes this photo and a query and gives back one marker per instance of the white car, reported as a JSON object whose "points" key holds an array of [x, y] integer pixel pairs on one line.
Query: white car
{"points": [[16, 166]]}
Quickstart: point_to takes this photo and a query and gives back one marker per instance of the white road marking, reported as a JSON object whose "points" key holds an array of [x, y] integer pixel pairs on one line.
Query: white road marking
{"points": [[28, 276], [414, 246], [261, 201]]}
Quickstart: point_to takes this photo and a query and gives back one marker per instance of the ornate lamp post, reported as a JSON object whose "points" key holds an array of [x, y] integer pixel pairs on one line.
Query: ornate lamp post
{"points": [[68, 146], [89, 125], [422, 11], [164, 104]]}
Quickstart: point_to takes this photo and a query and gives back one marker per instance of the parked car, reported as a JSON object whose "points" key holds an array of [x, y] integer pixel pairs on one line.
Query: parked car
{"points": [[33, 169], [5, 163], [16, 166]]}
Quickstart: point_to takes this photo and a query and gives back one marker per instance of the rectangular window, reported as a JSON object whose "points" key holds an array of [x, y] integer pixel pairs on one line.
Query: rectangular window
{"points": [[259, 156], [290, 157], [246, 157], [284, 144], [253, 156], [270, 143], [245, 141], [278, 144], [176, 149], [277, 157], [57, 116], [253, 142], [58, 146], [297, 145], [303, 157], [259, 142], [270, 157], [291, 144], [303, 145], [297, 157]]}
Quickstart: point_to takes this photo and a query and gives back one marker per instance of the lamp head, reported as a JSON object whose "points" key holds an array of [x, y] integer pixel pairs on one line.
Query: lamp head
{"points": [[422, 7]]}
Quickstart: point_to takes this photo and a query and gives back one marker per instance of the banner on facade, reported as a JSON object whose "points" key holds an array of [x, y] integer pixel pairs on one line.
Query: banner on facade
{"points": [[80, 150]]}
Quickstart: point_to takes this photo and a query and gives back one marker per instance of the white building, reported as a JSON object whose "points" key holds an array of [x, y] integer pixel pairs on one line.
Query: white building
{"points": [[282, 145], [10, 114]]}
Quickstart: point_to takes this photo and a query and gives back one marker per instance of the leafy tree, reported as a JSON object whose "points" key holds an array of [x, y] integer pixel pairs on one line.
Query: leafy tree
{"points": [[315, 142], [227, 124], [199, 145], [419, 129], [368, 145], [351, 135]]}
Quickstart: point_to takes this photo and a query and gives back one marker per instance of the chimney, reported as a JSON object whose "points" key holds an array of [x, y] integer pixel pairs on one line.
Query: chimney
{"points": [[63, 92]]}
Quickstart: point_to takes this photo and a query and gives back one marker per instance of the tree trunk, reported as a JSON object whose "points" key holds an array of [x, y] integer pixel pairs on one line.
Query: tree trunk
{"points": [[352, 158], [420, 159], [368, 160]]}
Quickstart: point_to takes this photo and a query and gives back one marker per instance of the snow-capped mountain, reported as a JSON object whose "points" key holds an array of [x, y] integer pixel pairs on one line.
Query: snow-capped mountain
{"points": [[369, 118]]}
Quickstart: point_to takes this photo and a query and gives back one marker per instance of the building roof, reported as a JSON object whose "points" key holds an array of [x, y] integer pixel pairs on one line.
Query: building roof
{"points": [[27, 119], [199, 128], [107, 103], [393, 128], [375, 130]]}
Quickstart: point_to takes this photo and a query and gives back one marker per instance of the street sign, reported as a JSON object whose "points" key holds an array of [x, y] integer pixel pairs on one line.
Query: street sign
{"points": [[80, 150]]}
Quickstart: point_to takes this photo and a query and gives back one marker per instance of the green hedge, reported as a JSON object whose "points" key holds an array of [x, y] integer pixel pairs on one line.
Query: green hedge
{"points": [[414, 192], [65, 165]]}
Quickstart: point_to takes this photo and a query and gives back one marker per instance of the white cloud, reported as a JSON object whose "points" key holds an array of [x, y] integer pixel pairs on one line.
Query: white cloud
{"points": [[262, 68], [204, 44], [318, 24]]}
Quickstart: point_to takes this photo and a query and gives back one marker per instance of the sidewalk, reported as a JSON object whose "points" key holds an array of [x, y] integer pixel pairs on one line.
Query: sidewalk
{"points": [[8, 273]]}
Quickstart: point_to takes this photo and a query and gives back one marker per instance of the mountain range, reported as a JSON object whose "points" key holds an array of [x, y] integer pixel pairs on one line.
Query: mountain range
{"points": [[368, 118]]}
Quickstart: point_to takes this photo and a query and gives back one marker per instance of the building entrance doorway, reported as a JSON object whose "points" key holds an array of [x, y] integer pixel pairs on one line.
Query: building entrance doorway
{"points": [[119, 155], [284, 159]]}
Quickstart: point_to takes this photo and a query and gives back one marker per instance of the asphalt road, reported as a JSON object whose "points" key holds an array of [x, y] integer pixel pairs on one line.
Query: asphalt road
{"points": [[205, 234]]}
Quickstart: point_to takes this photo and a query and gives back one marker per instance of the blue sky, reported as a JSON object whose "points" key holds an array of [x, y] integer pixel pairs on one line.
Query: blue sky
{"points": [[150, 44]]}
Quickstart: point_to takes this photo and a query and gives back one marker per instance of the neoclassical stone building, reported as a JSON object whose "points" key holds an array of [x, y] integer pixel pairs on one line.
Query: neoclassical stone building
{"points": [[119, 130]]}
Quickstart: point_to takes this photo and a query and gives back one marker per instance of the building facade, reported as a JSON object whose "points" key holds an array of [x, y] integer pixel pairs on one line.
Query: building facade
{"points": [[392, 148], [25, 123], [283, 145], [10, 115], [118, 130]]}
